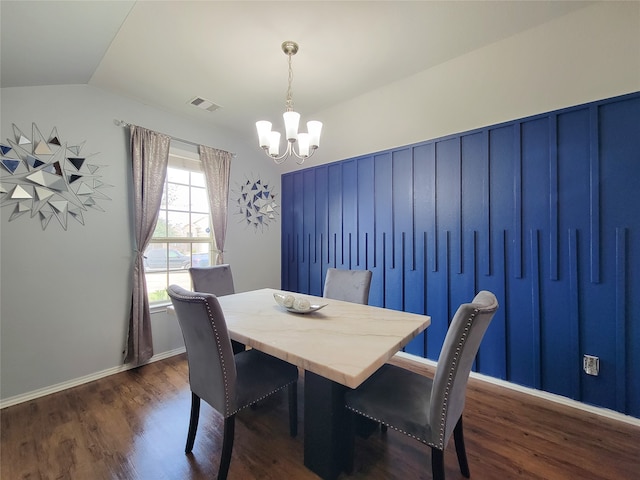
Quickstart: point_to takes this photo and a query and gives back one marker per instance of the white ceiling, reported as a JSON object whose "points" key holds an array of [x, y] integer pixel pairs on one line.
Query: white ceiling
{"points": [[164, 53]]}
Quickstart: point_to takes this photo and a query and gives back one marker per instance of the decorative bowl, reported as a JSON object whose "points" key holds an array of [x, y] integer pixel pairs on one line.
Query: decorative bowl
{"points": [[296, 304]]}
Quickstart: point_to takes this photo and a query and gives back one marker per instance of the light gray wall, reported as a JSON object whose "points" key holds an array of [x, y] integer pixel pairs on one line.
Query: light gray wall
{"points": [[65, 295]]}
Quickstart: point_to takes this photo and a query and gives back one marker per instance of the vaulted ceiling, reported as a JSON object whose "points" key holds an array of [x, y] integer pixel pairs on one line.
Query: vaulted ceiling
{"points": [[165, 53]]}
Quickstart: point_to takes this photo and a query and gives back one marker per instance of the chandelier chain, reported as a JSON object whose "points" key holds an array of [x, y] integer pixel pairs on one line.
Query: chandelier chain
{"points": [[289, 102]]}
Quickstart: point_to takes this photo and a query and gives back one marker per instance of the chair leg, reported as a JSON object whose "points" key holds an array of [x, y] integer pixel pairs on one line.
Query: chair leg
{"points": [[227, 447], [458, 437], [193, 422], [292, 390], [437, 464]]}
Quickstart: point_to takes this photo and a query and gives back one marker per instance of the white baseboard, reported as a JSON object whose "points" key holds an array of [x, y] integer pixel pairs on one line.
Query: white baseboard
{"points": [[25, 397], [552, 397]]}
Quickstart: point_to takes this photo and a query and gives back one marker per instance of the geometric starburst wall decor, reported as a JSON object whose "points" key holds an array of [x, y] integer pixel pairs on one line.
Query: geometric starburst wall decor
{"points": [[48, 178], [256, 203]]}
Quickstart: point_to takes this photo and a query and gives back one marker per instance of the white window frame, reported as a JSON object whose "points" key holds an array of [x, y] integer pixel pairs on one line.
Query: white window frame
{"points": [[183, 160]]}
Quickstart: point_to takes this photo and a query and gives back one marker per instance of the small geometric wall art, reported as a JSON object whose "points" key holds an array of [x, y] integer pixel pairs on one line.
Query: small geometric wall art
{"points": [[48, 178], [256, 203]]}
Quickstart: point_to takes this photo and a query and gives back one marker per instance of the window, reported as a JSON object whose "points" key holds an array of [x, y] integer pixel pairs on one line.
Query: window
{"points": [[183, 235]]}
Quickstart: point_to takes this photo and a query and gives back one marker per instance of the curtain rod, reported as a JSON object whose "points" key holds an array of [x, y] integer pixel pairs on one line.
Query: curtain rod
{"points": [[122, 123]]}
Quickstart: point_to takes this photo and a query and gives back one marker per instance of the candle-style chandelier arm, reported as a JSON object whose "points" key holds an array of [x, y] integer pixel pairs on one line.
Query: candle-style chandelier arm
{"points": [[289, 152], [308, 142]]}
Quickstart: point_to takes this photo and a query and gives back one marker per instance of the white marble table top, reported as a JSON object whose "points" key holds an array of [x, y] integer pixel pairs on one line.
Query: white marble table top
{"points": [[344, 342]]}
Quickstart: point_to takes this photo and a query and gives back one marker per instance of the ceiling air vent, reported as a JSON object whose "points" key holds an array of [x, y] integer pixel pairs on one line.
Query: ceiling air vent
{"points": [[204, 104]]}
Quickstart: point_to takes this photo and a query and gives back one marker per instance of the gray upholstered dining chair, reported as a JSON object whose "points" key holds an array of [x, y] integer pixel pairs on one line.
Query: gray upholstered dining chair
{"points": [[227, 382], [429, 410], [348, 285], [218, 280]]}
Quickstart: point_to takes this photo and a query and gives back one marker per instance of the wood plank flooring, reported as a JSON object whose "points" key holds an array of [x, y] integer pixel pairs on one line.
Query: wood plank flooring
{"points": [[133, 426]]}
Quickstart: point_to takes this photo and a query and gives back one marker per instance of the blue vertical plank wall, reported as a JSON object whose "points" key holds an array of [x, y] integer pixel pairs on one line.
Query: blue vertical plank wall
{"points": [[543, 211]]}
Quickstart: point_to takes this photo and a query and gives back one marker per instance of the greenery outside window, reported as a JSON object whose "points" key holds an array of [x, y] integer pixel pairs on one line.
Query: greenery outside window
{"points": [[183, 236]]}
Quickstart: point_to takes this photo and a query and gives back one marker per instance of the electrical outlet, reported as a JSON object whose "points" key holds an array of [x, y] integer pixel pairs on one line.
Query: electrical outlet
{"points": [[591, 365]]}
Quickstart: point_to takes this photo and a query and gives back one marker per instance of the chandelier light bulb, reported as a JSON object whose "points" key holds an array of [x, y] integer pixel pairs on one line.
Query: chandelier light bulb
{"points": [[274, 144], [291, 122], [264, 129], [314, 128], [303, 144]]}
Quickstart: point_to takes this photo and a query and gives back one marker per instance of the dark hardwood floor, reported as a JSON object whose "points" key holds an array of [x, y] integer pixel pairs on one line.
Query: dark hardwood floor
{"points": [[133, 426]]}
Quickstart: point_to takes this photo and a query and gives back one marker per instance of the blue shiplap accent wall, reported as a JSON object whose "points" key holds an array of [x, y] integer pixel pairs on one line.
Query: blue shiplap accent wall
{"points": [[543, 211]]}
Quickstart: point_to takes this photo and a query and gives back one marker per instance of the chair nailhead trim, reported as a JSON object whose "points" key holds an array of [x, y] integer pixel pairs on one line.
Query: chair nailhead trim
{"points": [[261, 398], [377, 420], [443, 417], [451, 374], [219, 346]]}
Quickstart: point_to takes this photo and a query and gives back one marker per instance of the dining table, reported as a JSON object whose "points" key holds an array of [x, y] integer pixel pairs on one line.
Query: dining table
{"points": [[336, 344]]}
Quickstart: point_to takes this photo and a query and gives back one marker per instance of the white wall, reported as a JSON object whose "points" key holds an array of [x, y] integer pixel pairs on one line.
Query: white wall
{"points": [[590, 54], [65, 295]]}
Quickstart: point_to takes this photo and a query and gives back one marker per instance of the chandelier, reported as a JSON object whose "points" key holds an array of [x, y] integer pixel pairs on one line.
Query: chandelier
{"points": [[307, 142]]}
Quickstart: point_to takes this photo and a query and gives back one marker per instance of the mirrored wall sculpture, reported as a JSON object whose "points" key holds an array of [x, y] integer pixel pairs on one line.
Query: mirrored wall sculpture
{"points": [[256, 203], [48, 178]]}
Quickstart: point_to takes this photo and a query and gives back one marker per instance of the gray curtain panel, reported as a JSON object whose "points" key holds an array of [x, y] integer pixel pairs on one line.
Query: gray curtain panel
{"points": [[217, 168], [150, 155]]}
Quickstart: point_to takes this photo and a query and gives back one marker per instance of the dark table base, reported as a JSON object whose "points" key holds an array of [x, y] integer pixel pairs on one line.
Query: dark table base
{"points": [[325, 426]]}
